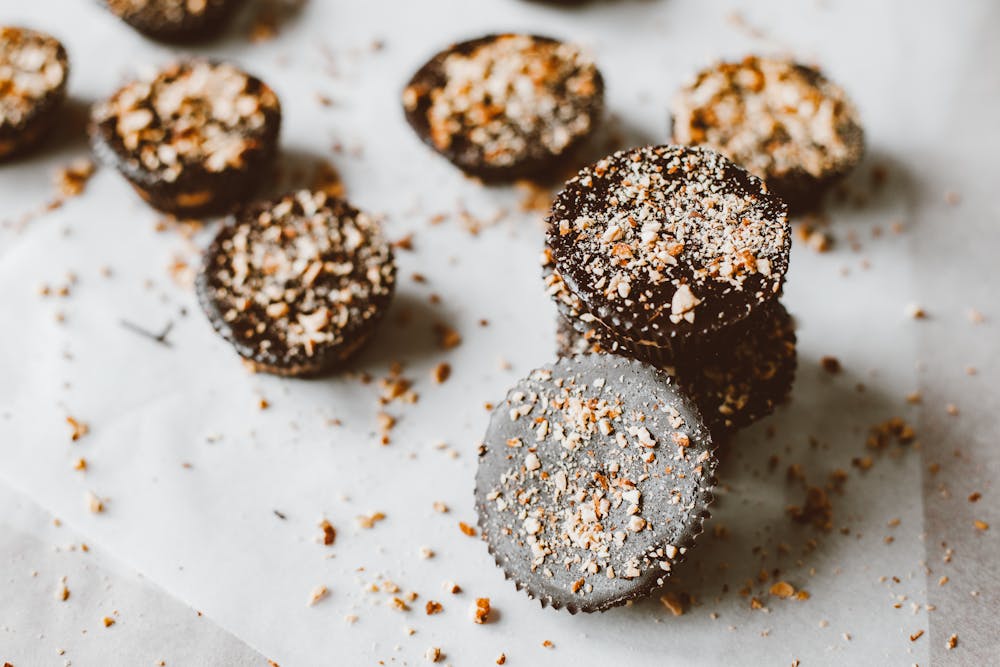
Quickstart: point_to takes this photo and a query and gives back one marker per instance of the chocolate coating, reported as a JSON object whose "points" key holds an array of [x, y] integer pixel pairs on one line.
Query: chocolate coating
{"points": [[297, 285], [736, 377], [739, 376], [781, 120], [664, 242], [594, 480], [176, 21], [193, 141], [34, 69], [503, 107]]}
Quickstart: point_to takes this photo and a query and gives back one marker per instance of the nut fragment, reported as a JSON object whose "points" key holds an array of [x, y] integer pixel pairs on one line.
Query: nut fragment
{"points": [[673, 602], [317, 594], [782, 589], [481, 611], [329, 533]]}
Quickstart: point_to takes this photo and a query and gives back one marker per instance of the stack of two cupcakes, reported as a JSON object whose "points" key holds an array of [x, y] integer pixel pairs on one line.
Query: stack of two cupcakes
{"points": [[676, 256]]}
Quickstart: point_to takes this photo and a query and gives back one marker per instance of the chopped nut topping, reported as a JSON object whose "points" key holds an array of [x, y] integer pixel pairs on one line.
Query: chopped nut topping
{"points": [[32, 67], [191, 115], [774, 117], [671, 227], [302, 276], [508, 99]]}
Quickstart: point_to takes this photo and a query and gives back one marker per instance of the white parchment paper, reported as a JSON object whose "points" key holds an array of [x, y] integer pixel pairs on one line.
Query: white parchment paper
{"points": [[193, 470]]}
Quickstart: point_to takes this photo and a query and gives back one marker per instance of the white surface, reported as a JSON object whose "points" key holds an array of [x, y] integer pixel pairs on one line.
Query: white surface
{"points": [[208, 535], [38, 558]]}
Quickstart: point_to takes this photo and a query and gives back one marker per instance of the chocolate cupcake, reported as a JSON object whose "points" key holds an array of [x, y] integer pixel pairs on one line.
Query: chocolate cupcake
{"points": [[666, 242], [594, 480], [297, 285], [740, 376], [737, 377], [194, 140], [504, 107], [174, 20], [783, 121], [33, 73]]}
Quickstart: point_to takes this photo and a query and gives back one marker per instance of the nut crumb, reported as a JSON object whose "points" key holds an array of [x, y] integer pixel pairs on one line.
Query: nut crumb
{"points": [[673, 602], [782, 589], [329, 533], [467, 529], [481, 611], [831, 365], [318, 593], [80, 428], [447, 337], [94, 504], [441, 373]]}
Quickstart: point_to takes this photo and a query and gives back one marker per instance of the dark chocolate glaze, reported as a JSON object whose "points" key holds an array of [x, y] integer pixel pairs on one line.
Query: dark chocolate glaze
{"points": [[187, 28], [256, 336], [229, 188], [16, 139], [538, 164], [737, 376], [722, 304]]}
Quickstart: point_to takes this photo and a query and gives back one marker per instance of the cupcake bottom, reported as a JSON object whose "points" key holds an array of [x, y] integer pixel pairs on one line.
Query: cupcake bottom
{"points": [[736, 377]]}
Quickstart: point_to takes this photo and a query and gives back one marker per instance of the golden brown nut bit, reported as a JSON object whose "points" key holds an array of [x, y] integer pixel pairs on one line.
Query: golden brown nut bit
{"points": [[481, 611]]}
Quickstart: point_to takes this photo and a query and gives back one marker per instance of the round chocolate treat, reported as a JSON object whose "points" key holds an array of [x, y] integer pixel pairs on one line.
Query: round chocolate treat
{"points": [[736, 377], [174, 20], [783, 121], [664, 242], [504, 107], [594, 480], [33, 73], [740, 376], [194, 140], [297, 285]]}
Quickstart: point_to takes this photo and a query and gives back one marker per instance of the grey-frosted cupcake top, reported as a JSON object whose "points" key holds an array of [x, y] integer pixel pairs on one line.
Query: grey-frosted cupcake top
{"points": [[594, 479]]}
